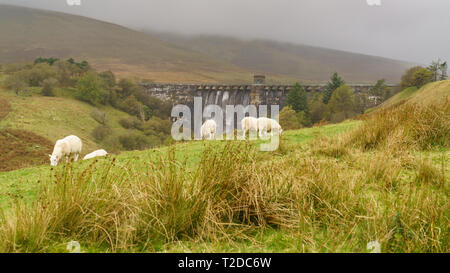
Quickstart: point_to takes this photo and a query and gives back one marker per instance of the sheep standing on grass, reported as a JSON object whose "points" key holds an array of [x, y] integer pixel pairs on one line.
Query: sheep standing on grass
{"points": [[97, 153], [249, 124], [275, 127], [266, 124], [208, 129], [68, 146]]}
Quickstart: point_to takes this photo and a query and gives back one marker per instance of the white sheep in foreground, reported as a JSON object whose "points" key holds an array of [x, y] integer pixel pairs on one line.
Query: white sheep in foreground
{"points": [[208, 129], [68, 146], [266, 125], [96, 153], [249, 124]]}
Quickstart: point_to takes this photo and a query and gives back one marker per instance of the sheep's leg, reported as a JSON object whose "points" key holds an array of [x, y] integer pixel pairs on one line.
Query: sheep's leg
{"points": [[76, 157], [262, 133], [252, 134]]}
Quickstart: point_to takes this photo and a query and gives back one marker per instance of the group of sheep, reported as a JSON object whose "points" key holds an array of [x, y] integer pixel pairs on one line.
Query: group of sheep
{"points": [[71, 146], [262, 125]]}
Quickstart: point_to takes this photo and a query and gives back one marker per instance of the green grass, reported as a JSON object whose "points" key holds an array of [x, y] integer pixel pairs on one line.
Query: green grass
{"points": [[376, 179], [57, 117], [428, 94], [24, 180], [326, 189], [402, 96]]}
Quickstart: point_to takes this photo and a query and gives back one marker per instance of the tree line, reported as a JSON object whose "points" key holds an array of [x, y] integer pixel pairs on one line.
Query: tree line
{"points": [[339, 102]]}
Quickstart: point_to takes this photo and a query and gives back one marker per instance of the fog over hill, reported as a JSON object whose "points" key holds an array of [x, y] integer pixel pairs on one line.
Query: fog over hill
{"points": [[29, 33], [409, 30], [293, 60]]}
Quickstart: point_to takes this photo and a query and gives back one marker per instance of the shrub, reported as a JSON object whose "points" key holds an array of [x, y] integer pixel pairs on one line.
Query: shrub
{"points": [[66, 73], [38, 74], [422, 77], [342, 104], [91, 89], [134, 141], [101, 132], [416, 76], [131, 123], [288, 119], [157, 125], [126, 88], [48, 86], [112, 144], [99, 116], [16, 82], [15, 67], [49, 61], [133, 107], [318, 110]]}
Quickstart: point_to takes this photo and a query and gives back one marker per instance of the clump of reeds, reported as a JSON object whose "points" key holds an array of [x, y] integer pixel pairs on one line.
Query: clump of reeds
{"points": [[408, 125]]}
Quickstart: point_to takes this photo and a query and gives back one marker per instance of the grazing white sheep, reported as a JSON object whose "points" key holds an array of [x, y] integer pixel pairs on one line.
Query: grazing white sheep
{"points": [[266, 125], [275, 127], [208, 129], [97, 153], [70, 145], [249, 124]]}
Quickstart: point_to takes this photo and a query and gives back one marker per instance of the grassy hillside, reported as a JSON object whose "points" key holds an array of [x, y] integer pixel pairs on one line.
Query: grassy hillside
{"points": [[429, 94], [29, 33], [56, 117], [299, 61]]}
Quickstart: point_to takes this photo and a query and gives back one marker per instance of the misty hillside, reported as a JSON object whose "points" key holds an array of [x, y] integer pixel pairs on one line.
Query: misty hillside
{"points": [[299, 61], [29, 33]]}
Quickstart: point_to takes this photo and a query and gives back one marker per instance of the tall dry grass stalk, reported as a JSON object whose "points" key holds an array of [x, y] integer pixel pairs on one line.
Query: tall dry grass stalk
{"points": [[123, 208]]}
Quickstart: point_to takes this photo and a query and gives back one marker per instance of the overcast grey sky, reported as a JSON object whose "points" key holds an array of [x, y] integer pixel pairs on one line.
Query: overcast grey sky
{"points": [[411, 30]]}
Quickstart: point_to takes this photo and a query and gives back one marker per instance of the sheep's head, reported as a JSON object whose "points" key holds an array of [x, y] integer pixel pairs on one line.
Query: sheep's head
{"points": [[53, 160]]}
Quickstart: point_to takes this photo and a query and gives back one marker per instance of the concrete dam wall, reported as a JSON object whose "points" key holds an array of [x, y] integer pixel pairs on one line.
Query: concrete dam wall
{"points": [[255, 94]]}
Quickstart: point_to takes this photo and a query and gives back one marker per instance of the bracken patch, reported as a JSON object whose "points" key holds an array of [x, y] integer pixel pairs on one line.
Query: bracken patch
{"points": [[22, 149]]}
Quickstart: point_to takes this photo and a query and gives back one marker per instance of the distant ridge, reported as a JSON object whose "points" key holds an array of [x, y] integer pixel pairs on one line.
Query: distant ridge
{"points": [[292, 60], [30, 33]]}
